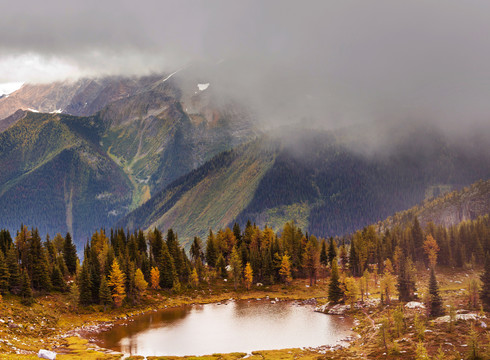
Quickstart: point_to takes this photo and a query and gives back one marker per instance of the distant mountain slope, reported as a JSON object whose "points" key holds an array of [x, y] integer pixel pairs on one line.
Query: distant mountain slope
{"points": [[142, 140], [56, 179], [209, 197], [447, 209], [313, 178], [82, 97]]}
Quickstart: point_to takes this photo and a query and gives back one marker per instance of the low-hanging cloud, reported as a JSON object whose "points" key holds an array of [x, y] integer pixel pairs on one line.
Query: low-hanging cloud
{"points": [[328, 63]]}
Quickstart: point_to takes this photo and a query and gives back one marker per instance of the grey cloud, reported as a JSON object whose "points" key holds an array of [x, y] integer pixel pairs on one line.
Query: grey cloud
{"points": [[325, 63]]}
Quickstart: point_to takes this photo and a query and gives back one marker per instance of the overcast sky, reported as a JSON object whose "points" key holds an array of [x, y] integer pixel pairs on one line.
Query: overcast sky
{"points": [[328, 62]]}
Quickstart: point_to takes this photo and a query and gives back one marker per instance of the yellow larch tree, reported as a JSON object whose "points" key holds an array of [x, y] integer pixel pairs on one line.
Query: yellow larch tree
{"points": [[248, 276], [116, 283], [155, 278], [139, 280]]}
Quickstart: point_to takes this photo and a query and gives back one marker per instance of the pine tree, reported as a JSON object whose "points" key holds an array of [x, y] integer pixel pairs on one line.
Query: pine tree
{"points": [[26, 291], [332, 251], [236, 266], [406, 281], [15, 277], [221, 267], [116, 282], [196, 250], [285, 269], [37, 265], [70, 254], [4, 275], [57, 279], [211, 251], [334, 290], [85, 284], [105, 295], [166, 267], [174, 250], [435, 300], [323, 254], [74, 295], [485, 279], [354, 260], [248, 276]]}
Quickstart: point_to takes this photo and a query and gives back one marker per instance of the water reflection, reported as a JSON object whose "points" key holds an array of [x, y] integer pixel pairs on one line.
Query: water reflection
{"points": [[234, 326]]}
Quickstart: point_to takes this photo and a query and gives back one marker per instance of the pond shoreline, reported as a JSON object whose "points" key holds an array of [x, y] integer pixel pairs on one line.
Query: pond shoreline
{"points": [[88, 332]]}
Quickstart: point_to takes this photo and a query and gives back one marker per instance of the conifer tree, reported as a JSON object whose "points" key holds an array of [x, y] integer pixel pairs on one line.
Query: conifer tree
{"points": [[196, 250], [155, 278], [139, 281], [285, 269], [332, 251], [167, 270], [174, 250], [211, 251], [116, 282], [334, 290], [248, 276], [435, 300], [354, 260], [236, 266], [74, 295], [38, 263], [406, 281], [4, 275], [26, 291], [194, 278], [85, 284], [15, 277], [485, 280], [221, 267], [57, 279], [70, 254], [323, 254], [105, 295]]}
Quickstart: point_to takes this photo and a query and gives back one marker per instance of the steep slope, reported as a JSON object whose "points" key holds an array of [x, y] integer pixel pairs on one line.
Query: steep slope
{"points": [[314, 179], [447, 209], [56, 178], [209, 197]]}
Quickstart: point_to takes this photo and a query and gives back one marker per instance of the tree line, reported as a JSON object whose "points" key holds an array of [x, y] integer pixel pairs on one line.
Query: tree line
{"points": [[119, 266]]}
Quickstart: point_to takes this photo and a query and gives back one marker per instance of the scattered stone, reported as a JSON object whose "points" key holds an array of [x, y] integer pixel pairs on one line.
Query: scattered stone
{"points": [[46, 354], [414, 305]]}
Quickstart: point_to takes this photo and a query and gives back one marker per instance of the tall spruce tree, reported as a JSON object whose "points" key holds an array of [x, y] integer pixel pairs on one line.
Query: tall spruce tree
{"points": [[105, 295], [485, 279], [435, 300], [323, 254], [85, 284], [406, 280], [70, 254], [211, 250], [57, 279], [168, 275], [4, 275], [332, 251], [38, 263], [26, 290], [15, 277], [334, 291]]}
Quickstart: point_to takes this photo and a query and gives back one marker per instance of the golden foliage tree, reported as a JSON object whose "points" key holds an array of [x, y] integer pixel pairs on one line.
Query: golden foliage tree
{"points": [[194, 278], [139, 280], [350, 290], [155, 278], [431, 249], [116, 282], [248, 276], [285, 270]]}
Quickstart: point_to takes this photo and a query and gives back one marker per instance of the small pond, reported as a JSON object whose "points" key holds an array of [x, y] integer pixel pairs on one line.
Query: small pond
{"points": [[234, 326]]}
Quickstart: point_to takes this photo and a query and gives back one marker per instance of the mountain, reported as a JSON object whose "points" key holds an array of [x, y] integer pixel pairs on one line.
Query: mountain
{"points": [[82, 97], [314, 178], [56, 179], [148, 132], [447, 209]]}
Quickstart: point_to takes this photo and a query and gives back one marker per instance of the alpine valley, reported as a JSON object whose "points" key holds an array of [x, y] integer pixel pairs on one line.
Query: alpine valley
{"points": [[164, 151]]}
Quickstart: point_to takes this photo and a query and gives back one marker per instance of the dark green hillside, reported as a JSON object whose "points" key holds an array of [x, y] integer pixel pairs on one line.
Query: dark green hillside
{"points": [[341, 191], [312, 178], [55, 175]]}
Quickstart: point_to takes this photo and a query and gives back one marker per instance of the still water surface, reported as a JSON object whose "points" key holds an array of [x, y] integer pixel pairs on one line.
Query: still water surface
{"points": [[241, 326]]}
